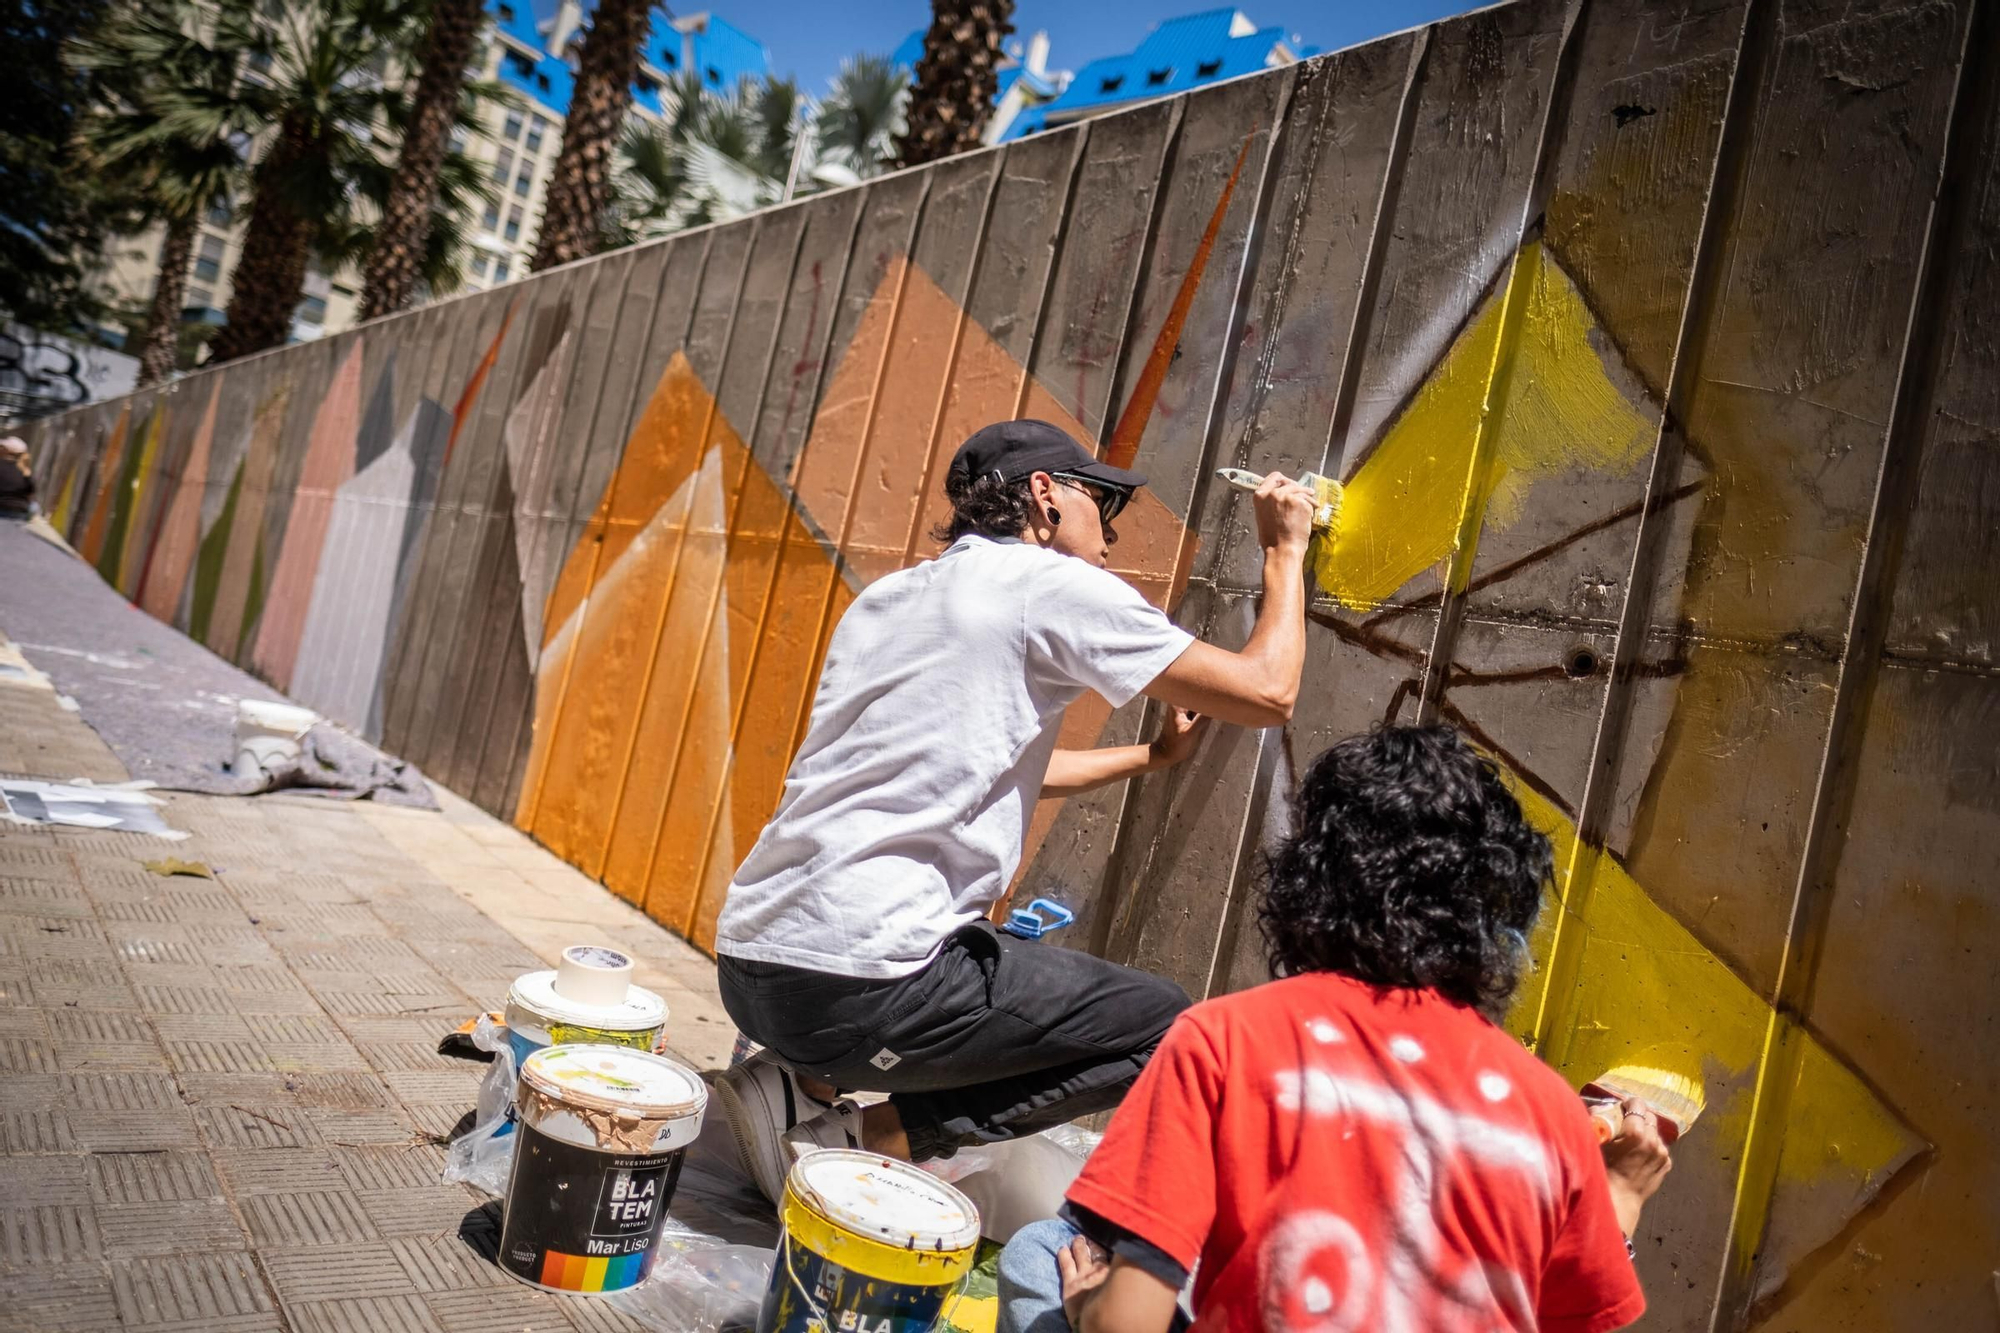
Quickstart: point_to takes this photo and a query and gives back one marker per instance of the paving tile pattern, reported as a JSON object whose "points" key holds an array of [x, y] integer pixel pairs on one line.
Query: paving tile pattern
{"points": [[220, 1100]]}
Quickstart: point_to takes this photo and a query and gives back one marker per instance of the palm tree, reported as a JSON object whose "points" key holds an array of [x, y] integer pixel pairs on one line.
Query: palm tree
{"points": [[463, 187], [170, 136], [395, 264], [319, 70], [862, 118], [956, 79], [715, 156], [579, 190]]}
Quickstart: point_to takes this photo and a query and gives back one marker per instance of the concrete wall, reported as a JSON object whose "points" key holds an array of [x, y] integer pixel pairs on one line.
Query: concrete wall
{"points": [[1660, 351]]}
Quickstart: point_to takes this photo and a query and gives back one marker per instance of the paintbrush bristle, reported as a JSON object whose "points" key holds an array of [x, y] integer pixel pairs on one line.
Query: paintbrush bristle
{"points": [[1678, 1099]]}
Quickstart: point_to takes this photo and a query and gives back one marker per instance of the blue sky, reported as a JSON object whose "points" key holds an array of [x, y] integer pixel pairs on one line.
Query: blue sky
{"points": [[808, 38]]}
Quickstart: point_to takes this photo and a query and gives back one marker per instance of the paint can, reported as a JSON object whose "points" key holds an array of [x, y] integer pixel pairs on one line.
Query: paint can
{"points": [[268, 735], [588, 997], [602, 1133], [870, 1245]]}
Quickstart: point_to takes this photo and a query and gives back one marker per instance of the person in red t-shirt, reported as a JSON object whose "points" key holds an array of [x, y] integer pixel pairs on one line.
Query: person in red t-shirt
{"points": [[1357, 1145]]}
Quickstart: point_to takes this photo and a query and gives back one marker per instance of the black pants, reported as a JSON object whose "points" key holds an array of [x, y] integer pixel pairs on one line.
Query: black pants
{"points": [[995, 1038]]}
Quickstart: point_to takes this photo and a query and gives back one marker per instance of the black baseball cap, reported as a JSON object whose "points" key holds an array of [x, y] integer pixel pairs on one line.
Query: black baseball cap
{"points": [[1014, 450]]}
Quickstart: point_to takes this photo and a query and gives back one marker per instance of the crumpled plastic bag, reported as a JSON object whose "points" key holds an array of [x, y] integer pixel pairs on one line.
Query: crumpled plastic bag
{"points": [[1020, 1181], [484, 1155], [698, 1285]]}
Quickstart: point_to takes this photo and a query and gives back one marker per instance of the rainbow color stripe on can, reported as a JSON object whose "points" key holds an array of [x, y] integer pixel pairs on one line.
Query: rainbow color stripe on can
{"points": [[582, 1272]]}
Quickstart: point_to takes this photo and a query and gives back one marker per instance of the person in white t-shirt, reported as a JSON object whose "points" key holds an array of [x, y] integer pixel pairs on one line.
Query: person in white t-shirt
{"points": [[854, 945]]}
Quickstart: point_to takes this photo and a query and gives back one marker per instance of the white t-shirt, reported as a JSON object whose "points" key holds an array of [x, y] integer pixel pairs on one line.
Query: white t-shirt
{"points": [[904, 812]]}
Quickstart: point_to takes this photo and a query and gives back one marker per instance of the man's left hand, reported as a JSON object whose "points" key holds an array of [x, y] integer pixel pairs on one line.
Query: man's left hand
{"points": [[1179, 734]]}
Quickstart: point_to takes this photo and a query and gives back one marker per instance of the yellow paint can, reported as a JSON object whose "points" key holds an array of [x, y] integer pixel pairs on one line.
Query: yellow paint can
{"points": [[870, 1245]]}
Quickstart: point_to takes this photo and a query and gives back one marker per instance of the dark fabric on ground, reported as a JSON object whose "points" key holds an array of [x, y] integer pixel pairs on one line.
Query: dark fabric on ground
{"points": [[994, 1039], [163, 703]]}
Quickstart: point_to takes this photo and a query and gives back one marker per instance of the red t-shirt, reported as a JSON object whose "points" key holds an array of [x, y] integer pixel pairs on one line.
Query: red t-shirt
{"points": [[1343, 1157]]}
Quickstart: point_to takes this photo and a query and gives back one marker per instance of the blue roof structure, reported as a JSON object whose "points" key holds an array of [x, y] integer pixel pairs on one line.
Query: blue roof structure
{"points": [[1180, 55], [721, 53]]}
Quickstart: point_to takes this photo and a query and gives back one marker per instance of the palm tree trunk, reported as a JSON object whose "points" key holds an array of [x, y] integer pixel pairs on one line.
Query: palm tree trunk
{"points": [[396, 263], [270, 276], [580, 182], [952, 92], [163, 316]]}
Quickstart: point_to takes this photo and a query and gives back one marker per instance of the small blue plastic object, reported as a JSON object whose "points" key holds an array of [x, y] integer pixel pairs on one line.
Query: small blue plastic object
{"points": [[1037, 919]]}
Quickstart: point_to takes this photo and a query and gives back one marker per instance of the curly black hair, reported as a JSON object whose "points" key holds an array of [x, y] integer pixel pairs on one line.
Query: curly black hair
{"points": [[985, 505], [1412, 866]]}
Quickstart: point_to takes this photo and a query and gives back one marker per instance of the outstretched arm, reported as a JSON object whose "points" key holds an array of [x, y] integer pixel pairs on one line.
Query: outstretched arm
{"points": [[1257, 686], [1074, 771]]}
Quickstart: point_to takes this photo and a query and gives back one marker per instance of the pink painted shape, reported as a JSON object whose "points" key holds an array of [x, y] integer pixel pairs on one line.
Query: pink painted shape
{"points": [[328, 463]]}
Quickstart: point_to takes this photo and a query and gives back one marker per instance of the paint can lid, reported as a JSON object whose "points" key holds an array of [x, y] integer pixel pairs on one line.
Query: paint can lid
{"points": [[884, 1200], [615, 1078], [536, 993]]}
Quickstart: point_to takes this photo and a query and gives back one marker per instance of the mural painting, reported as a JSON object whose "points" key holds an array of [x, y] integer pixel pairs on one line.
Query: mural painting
{"points": [[1669, 480]]}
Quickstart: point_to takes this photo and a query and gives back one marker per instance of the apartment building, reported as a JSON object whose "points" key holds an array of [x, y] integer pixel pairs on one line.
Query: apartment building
{"points": [[517, 146]]}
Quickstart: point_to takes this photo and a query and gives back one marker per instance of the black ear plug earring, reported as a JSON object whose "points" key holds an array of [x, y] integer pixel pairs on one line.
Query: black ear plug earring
{"points": [[1055, 519]]}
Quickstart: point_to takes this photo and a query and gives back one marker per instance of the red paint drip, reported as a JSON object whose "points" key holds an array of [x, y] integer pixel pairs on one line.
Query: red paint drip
{"points": [[1123, 447], [465, 400]]}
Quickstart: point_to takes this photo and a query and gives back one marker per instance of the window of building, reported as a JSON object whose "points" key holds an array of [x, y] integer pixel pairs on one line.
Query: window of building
{"points": [[524, 182], [499, 270], [503, 165], [519, 65], [1156, 77], [491, 218], [458, 138], [218, 213], [479, 265], [506, 13], [513, 129], [513, 232], [312, 310], [1208, 69], [669, 59], [208, 259], [646, 85], [198, 298], [714, 76], [542, 82], [1111, 83], [536, 128]]}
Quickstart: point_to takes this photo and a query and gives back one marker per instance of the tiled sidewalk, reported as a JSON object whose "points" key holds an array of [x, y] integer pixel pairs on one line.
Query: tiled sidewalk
{"points": [[220, 1101]]}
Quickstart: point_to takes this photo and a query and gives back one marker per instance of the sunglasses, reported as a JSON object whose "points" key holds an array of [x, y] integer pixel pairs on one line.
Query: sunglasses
{"points": [[1111, 500]]}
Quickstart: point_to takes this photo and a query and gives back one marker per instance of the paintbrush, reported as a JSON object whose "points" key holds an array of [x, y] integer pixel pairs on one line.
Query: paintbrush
{"points": [[1326, 495], [1677, 1099]]}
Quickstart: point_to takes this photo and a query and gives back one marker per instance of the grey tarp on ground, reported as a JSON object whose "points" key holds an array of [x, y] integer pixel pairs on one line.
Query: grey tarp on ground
{"points": [[163, 703]]}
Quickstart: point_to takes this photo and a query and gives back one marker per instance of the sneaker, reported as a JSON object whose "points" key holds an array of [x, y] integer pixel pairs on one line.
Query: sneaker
{"points": [[762, 1102], [838, 1126]]}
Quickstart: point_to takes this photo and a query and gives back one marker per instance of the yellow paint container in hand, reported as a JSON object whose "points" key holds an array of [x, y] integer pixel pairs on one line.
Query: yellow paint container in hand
{"points": [[603, 1131], [870, 1245]]}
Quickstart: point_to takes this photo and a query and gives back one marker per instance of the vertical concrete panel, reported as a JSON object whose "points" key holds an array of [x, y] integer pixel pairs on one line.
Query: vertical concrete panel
{"points": [[601, 618], [435, 579], [596, 415]]}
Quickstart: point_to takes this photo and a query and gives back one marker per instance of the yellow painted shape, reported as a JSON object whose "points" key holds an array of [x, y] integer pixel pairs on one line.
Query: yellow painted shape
{"points": [[1649, 992], [135, 522], [1558, 409], [65, 502]]}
